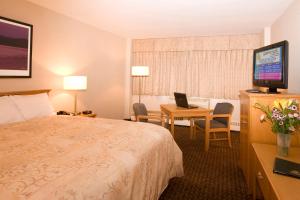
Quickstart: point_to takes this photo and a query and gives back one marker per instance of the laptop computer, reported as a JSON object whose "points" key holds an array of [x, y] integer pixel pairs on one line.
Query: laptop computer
{"points": [[181, 101]]}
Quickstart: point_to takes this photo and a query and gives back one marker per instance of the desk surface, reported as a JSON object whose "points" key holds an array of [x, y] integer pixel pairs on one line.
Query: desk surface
{"points": [[284, 187], [183, 112]]}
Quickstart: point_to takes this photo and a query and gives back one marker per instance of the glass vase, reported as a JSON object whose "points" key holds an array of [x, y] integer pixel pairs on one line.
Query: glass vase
{"points": [[283, 144]]}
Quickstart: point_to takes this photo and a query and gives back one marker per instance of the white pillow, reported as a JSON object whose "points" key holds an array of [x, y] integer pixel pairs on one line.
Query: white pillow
{"points": [[32, 106], [8, 111]]}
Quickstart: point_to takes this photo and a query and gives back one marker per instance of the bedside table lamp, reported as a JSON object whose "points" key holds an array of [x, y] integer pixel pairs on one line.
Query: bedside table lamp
{"points": [[139, 71], [75, 83]]}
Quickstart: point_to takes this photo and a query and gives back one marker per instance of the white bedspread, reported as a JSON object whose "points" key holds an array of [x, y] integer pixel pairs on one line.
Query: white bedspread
{"points": [[62, 157]]}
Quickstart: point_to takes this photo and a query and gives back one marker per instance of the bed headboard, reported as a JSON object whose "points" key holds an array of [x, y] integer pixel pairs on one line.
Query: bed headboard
{"points": [[28, 92]]}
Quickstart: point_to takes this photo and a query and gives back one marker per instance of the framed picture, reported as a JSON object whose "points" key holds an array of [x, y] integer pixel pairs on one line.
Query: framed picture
{"points": [[15, 48]]}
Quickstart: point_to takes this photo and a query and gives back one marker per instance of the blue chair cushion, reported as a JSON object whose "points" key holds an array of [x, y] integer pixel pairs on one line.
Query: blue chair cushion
{"points": [[140, 109], [223, 108], [213, 124]]}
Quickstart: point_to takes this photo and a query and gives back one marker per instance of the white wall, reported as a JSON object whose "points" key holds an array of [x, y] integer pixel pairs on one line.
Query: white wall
{"points": [[63, 46], [267, 35], [287, 27], [127, 77]]}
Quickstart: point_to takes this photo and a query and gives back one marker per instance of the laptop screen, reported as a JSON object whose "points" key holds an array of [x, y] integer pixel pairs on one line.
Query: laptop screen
{"points": [[181, 100]]}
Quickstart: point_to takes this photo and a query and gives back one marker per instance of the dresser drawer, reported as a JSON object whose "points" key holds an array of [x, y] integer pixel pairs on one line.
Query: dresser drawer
{"points": [[273, 195], [262, 181]]}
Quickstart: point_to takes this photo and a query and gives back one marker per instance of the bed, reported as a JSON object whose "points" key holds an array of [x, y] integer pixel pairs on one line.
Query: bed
{"points": [[71, 157]]}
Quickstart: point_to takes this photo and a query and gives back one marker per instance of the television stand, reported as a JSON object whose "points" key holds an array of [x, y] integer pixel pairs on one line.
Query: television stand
{"points": [[253, 131], [254, 90]]}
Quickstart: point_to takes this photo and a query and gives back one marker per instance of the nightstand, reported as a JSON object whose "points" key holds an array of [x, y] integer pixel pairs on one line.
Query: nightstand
{"points": [[93, 115]]}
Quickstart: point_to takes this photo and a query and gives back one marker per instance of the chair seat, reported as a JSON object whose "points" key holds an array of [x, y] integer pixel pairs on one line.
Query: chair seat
{"points": [[219, 121], [142, 115], [213, 124]]}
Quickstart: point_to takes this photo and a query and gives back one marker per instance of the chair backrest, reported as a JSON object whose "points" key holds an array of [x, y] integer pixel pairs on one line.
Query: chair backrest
{"points": [[223, 108], [140, 109]]}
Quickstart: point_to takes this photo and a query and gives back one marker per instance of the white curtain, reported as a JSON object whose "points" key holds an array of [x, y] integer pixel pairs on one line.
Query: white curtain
{"points": [[211, 67]]}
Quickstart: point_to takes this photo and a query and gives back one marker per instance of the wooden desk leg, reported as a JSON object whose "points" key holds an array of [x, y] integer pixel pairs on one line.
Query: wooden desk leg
{"points": [[191, 128], [172, 125], [207, 123]]}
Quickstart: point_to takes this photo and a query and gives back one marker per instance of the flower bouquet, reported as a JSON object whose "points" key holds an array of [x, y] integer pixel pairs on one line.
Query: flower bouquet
{"points": [[284, 118]]}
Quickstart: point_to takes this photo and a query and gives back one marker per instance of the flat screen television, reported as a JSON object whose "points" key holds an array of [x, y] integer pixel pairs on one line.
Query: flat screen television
{"points": [[270, 66]]}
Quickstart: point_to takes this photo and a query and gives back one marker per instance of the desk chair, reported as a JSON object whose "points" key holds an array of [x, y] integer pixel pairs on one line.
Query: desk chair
{"points": [[219, 121], [143, 115]]}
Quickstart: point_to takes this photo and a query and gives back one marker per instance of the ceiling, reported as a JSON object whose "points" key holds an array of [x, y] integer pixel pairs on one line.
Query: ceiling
{"points": [[171, 18]]}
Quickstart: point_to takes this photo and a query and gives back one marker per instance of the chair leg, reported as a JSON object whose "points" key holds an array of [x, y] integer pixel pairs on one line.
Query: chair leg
{"points": [[229, 138]]}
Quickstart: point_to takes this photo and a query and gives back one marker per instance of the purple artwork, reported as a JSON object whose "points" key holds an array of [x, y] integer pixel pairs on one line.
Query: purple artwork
{"points": [[15, 48]]}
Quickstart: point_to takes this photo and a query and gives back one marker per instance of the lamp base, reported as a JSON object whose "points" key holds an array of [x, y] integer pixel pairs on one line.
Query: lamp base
{"points": [[75, 104]]}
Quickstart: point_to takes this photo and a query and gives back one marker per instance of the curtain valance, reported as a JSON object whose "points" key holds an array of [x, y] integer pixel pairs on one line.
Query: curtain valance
{"points": [[232, 42]]}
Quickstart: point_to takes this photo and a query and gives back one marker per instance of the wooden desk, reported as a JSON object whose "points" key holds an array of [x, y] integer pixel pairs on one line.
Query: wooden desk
{"points": [[274, 186], [173, 111]]}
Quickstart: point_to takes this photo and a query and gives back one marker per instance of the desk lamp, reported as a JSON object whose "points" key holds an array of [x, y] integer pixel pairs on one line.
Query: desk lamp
{"points": [[75, 83], [139, 71]]}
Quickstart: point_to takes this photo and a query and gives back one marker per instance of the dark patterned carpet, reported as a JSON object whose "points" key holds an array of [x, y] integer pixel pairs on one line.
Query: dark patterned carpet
{"points": [[212, 175]]}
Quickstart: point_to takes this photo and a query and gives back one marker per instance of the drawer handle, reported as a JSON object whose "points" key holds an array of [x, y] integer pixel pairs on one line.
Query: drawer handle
{"points": [[260, 176]]}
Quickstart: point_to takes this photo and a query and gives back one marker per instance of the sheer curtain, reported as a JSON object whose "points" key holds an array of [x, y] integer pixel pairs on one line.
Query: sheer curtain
{"points": [[211, 67]]}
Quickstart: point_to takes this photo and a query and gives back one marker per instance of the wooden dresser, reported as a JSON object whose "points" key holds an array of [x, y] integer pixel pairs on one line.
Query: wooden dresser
{"points": [[269, 185], [252, 130]]}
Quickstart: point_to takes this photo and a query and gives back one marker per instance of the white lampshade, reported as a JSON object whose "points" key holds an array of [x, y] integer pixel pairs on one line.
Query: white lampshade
{"points": [[139, 71], [75, 82]]}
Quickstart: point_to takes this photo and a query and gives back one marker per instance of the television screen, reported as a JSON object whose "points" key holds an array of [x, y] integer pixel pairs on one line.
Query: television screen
{"points": [[268, 64]]}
